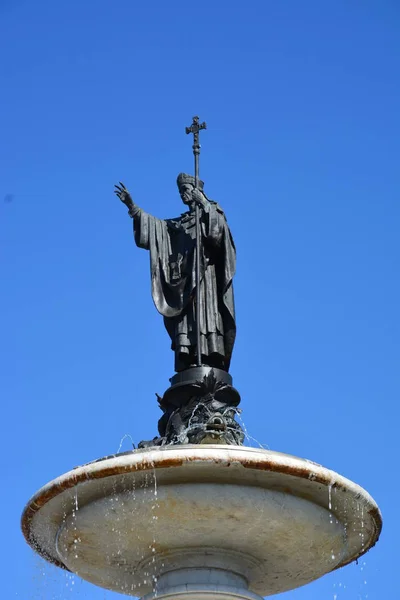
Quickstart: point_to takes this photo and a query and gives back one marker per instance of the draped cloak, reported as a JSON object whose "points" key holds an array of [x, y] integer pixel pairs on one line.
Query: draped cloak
{"points": [[172, 246]]}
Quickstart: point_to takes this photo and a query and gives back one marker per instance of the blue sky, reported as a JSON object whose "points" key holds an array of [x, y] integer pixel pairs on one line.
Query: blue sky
{"points": [[302, 151]]}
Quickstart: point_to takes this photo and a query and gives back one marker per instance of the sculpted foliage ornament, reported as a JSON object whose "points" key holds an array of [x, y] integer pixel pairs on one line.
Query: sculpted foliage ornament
{"points": [[207, 417]]}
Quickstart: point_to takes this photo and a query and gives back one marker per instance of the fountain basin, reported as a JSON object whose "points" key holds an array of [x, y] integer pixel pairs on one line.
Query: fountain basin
{"points": [[201, 521]]}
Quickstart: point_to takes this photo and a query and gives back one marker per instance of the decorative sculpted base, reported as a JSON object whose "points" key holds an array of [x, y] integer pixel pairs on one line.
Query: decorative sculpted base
{"points": [[199, 408]]}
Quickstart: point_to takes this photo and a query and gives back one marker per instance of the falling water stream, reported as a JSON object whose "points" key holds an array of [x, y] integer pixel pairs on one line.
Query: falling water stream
{"points": [[124, 437], [249, 437]]}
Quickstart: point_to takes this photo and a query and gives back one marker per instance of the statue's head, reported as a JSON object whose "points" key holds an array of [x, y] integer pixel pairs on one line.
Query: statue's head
{"points": [[186, 185]]}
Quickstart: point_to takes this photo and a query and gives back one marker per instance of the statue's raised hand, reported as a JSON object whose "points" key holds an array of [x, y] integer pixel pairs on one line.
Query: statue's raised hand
{"points": [[123, 195]]}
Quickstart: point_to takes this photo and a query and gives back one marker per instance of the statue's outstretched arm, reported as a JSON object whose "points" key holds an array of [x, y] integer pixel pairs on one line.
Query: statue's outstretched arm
{"points": [[126, 198]]}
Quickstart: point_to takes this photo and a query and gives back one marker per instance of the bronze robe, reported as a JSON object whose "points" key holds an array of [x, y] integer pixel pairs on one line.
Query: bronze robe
{"points": [[172, 245]]}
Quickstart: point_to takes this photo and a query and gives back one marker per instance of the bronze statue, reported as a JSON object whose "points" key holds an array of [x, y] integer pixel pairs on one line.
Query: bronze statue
{"points": [[192, 264], [172, 246]]}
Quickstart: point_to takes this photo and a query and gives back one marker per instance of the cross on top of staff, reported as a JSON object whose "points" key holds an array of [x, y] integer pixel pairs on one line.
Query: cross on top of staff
{"points": [[195, 128]]}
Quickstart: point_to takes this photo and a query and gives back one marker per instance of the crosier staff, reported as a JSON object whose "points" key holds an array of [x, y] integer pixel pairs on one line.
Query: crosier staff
{"points": [[195, 128]]}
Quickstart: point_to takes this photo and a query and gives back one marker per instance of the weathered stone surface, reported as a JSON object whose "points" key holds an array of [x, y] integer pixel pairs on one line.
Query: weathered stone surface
{"points": [[274, 520]]}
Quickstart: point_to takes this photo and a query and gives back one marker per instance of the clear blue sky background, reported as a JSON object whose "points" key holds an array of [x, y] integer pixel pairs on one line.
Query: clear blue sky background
{"points": [[302, 151]]}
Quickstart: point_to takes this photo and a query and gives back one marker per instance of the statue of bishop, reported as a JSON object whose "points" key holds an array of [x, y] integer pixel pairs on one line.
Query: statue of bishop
{"points": [[172, 247]]}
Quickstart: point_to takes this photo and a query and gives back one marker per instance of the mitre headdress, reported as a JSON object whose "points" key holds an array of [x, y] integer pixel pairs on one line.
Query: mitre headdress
{"points": [[185, 178]]}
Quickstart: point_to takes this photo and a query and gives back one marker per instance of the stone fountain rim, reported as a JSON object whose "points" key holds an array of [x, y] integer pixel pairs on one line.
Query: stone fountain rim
{"points": [[160, 458]]}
